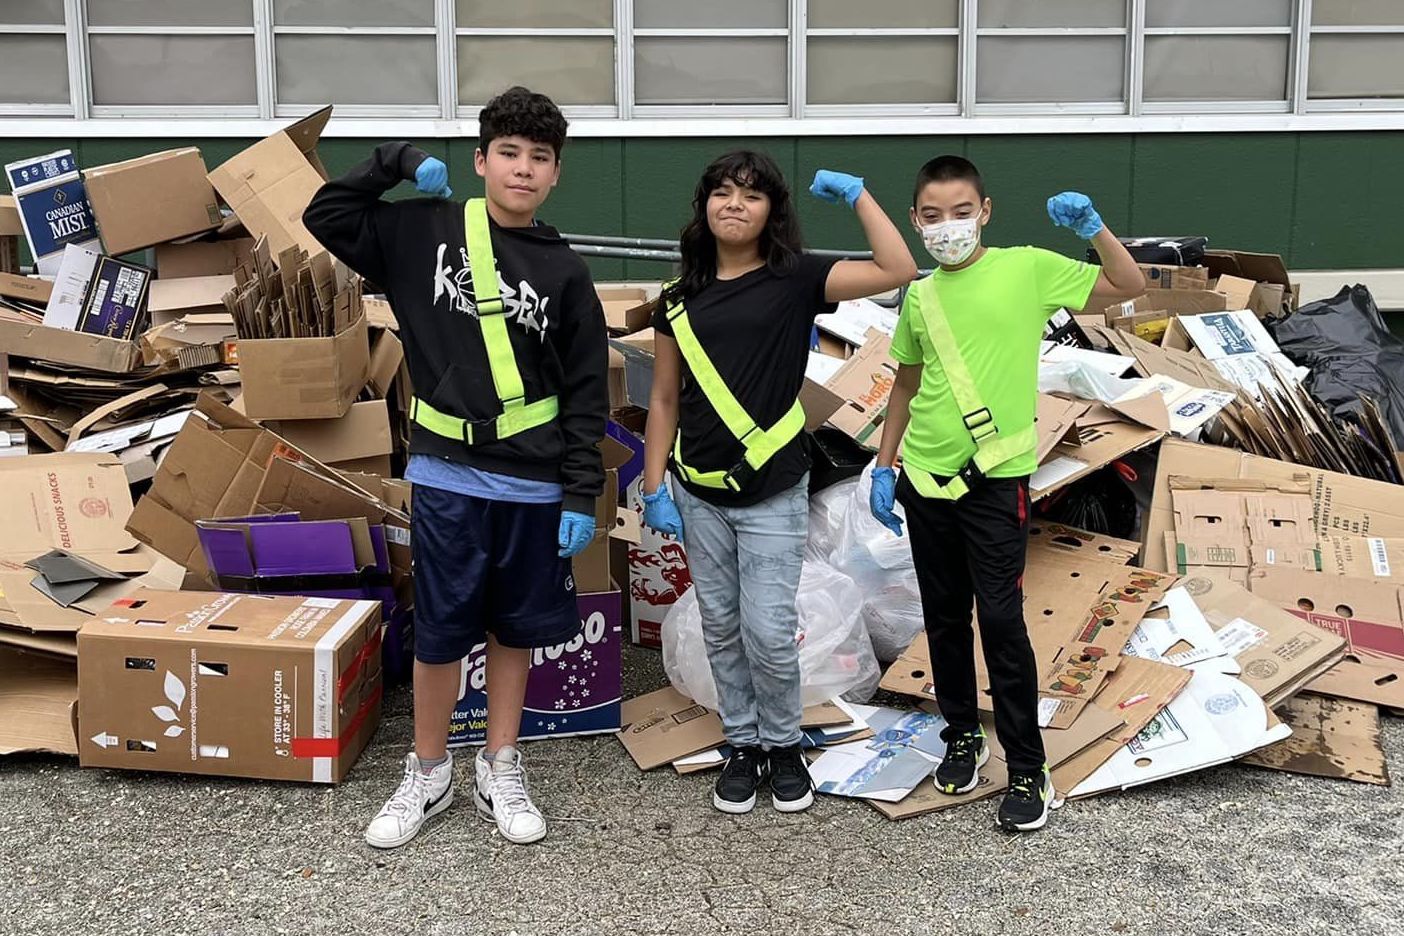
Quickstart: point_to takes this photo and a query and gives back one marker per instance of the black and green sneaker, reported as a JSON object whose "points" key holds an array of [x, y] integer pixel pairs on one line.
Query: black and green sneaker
{"points": [[1026, 805], [959, 770]]}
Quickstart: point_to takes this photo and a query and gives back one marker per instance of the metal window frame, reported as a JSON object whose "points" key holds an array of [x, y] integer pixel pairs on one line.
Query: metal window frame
{"points": [[1297, 111]]}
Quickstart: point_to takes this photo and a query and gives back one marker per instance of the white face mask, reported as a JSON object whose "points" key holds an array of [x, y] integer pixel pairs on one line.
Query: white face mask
{"points": [[952, 242]]}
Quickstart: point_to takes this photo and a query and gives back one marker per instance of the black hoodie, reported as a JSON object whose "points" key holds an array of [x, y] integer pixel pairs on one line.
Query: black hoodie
{"points": [[417, 252]]}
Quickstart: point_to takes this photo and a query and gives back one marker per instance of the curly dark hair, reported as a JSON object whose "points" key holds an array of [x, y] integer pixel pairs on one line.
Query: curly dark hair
{"points": [[521, 112], [780, 241]]}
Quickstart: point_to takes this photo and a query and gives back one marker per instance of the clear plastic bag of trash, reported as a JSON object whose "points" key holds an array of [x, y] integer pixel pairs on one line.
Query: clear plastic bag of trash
{"points": [[1083, 381], [892, 615], [826, 512], [836, 657], [867, 551]]}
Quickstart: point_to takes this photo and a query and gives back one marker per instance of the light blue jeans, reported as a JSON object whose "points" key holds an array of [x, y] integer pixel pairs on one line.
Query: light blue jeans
{"points": [[745, 564]]}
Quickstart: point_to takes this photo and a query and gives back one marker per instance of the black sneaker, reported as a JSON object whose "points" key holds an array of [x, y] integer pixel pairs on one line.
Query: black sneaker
{"points": [[959, 770], [791, 788], [743, 774], [1026, 805]]}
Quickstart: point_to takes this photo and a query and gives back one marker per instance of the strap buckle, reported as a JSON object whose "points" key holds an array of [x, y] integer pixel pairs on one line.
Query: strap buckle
{"points": [[980, 423], [674, 310], [739, 476], [971, 475], [488, 306], [479, 431]]}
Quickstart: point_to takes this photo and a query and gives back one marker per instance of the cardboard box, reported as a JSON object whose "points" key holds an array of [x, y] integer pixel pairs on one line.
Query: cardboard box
{"points": [[1165, 276], [70, 287], [115, 304], [53, 207], [38, 702], [360, 441], [282, 555], [202, 258], [864, 384], [10, 224], [1226, 527], [1273, 292], [627, 309], [30, 289], [305, 378], [1238, 346], [225, 465], [572, 689], [61, 346], [172, 299], [1341, 504], [230, 685], [270, 184], [151, 199]]}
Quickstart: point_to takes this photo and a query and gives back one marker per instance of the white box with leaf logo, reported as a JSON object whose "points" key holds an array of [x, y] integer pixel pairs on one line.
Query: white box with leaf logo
{"points": [[230, 685]]}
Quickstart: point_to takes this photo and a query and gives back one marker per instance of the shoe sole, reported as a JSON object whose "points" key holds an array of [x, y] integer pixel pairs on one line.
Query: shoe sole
{"points": [[731, 807], [980, 761], [485, 812], [433, 811], [794, 805]]}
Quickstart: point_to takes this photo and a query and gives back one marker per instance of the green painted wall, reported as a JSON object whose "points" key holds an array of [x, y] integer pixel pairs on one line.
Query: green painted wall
{"points": [[1324, 200]]}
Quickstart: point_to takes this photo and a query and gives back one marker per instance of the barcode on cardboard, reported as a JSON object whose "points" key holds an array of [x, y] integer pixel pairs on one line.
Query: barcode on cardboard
{"points": [[1379, 557]]}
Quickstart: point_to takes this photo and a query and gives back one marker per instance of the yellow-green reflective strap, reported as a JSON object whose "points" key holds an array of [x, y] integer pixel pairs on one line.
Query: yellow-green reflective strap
{"points": [[506, 378], [511, 422], [989, 455]]}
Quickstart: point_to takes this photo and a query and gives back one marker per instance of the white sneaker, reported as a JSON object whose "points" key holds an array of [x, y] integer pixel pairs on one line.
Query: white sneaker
{"points": [[502, 795], [419, 797]]}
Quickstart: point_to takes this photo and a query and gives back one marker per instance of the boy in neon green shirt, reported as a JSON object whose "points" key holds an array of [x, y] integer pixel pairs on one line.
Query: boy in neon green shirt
{"points": [[962, 411]]}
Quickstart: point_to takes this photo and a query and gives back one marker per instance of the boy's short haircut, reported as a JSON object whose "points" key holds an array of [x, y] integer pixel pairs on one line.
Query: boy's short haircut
{"points": [[948, 169], [520, 112]]}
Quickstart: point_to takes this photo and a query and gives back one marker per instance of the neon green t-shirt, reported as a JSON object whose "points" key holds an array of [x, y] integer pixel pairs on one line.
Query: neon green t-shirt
{"points": [[997, 308]]}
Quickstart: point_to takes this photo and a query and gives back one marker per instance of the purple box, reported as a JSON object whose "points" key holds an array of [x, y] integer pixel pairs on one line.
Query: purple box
{"points": [[572, 689], [115, 306], [283, 555]]}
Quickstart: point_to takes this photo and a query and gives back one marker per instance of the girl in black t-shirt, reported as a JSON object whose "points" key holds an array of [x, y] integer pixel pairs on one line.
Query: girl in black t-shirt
{"points": [[732, 344]]}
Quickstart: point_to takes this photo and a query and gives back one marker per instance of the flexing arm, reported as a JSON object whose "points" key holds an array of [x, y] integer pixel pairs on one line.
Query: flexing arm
{"points": [[1119, 278], [892, 264]]}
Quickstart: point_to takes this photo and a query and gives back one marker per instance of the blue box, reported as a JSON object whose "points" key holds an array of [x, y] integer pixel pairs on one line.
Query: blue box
{"points": [[53, 206]]}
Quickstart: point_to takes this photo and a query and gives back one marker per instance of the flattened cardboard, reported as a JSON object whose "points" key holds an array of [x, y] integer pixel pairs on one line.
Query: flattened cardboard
{"points": [[1165, 276], [1063, 538], [1056, 420], [1220, 527], [1368, 614], [305, 378], [1279, 654], [230, 685], [386, 356], [151, 199], [37, 701], [171, 299], [31, 289], [1363, 679], [76, 502], [1103, 437], [270, 184], [1341, 504], [1333, 738]]}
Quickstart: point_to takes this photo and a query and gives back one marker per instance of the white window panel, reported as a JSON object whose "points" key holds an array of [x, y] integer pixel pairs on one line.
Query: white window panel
{"points": [[170, 13], [1050, 69], [535, 14], [1218, 13], [711, 14], [1356, 66], [172, 70], [1357, 13], [31, 13], [730, 70], [1216, 68], [1052, 13], [353, 12], [886, 70], [884, 14], [568, 69], [343, 69], [33, 69]]}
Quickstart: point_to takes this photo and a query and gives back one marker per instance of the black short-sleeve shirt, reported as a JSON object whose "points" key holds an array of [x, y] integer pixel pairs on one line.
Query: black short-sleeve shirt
{"points": [[756, 330]]}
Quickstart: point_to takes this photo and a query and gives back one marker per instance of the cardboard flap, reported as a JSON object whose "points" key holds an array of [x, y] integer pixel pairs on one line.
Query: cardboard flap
{"points": [[37, 699], [1149, 410], [1260, 267], [117, 405], [308, 131]]}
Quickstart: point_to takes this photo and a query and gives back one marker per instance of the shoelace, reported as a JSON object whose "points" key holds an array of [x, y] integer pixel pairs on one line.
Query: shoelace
{"points": [[791, 763], [508, 785], [408, 798], [1027, 786], [964, 748], [741, 761]]}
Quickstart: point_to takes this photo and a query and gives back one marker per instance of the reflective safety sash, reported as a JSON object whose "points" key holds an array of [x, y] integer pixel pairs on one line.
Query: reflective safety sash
{"points": [[517, 414], [760, 444], [992, 448]]}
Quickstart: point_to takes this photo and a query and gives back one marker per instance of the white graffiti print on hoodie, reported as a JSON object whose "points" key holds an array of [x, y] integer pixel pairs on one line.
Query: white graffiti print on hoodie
{"points": [[521, 305]]}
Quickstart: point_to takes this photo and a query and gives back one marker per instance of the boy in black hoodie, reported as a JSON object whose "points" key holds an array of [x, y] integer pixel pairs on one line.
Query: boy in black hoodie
{"points": [[510, 373]]}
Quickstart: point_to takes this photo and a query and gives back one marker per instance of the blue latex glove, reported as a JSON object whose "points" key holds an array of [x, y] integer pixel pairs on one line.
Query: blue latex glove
{"points": [[882, 498], [1074, 210], [577, 529], [661, 513], [835, 186], [431, 178]]}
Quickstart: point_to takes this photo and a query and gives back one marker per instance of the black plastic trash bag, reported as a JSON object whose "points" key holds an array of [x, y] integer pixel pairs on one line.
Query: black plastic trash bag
{"points": [[1351, 353]]}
